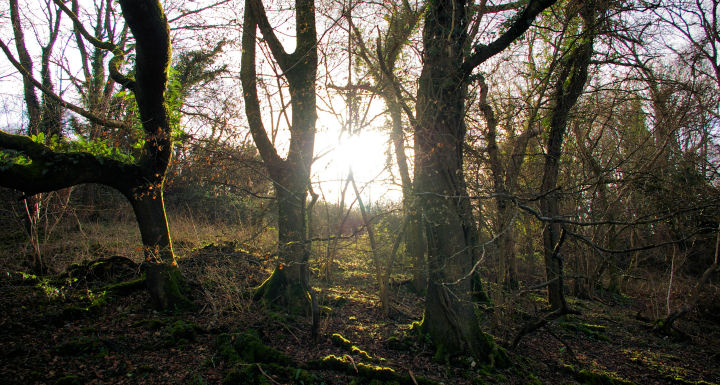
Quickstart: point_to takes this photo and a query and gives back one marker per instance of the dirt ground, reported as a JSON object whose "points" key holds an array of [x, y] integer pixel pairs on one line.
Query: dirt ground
{"points": [[72, 330]]}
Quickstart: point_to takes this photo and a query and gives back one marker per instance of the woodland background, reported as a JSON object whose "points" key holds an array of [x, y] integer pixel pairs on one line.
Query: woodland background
{"points": [[555, 219]]}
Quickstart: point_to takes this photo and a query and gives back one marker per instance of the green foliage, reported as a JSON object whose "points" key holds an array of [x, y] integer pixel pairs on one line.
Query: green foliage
{"points": [[53, 288]]}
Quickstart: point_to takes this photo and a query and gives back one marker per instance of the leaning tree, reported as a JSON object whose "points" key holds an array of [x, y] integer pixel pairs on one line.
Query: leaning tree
{"points": [[33, 167]]}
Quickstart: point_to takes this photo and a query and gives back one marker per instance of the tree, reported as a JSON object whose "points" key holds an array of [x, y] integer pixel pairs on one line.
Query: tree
{"points": [[34, 167], [382, 64], [569, 84], [43, 114], [288, 286], [450, 318]]}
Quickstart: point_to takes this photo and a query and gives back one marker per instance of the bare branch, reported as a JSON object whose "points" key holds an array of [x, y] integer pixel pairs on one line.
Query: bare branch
{"points": [[89, 115]]}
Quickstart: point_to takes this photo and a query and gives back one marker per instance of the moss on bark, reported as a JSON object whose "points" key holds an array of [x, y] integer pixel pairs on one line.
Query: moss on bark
{"points": [[166, 286], [279, 292]]}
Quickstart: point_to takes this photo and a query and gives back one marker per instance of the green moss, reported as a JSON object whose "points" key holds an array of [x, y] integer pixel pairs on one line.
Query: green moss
{"points": [[337, 301], [442, 356], [379, 374], [278, 292], [125, 287], [533, 379], [167, 286], [180, 333], [342, 342], [661, 362], [593, 331], [495, 355], [401, 344], [175, 291], [248, 355], [325, 310], [246, 347], [415, 327], [596, 377], [343, 365], [256, 374]]}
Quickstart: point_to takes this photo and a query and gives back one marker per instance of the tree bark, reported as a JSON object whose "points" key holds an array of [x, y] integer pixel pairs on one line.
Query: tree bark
{"points": [[450, 317], [32, 102], [414, 240], [288, 286], [141, 182], [568, 88]]}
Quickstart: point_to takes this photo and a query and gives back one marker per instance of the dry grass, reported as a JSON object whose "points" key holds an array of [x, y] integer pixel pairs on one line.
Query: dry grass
{"points": [[214, 257]]}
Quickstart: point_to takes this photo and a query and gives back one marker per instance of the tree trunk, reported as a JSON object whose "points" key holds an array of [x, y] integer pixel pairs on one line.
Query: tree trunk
{"points": [[506, 243], [162, 276], [568, 87], [141, 182], [288, 286], [414, 240], [450, 317], [502, 176]]}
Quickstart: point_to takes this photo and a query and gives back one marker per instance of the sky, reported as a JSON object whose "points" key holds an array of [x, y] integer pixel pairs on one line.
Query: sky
{"points": [[366, 153]]}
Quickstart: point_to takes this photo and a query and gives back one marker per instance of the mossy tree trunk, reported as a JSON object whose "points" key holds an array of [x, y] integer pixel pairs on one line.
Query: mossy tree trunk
{"points": [[569, 84], [140, 182], [162, 275], [450, 317], [288, 286]]}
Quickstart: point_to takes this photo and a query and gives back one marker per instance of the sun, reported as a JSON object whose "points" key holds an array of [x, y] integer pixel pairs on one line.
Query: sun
{"points": [[365, 153]]}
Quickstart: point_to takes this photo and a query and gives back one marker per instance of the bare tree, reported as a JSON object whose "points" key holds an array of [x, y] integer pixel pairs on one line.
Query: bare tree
{"points": [[450, 318], [288, 286]]}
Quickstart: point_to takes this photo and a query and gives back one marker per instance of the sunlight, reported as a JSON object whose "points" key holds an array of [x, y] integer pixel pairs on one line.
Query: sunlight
{"points": [[365, 153]]}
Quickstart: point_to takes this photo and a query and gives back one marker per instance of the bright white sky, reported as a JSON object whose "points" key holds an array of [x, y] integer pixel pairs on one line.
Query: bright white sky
{"points": [[366, 153]]}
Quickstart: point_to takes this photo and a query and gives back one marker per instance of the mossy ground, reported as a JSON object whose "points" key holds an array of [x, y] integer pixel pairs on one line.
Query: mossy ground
{"points": [[60, 331]]}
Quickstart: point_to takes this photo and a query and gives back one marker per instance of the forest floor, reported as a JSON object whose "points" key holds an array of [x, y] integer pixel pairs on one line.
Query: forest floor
{"points": [[71, 329]]}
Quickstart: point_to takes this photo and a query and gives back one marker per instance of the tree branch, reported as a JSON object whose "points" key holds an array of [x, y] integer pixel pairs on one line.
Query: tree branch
{"points": [[261, 20], [89, 115], [248, 78], [50, 170], [523, 21]]}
